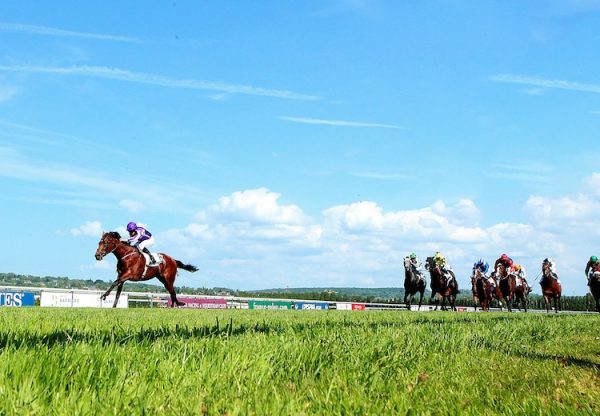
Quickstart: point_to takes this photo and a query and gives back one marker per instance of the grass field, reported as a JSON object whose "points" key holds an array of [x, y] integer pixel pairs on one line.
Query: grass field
{"points": [[61, 361]]}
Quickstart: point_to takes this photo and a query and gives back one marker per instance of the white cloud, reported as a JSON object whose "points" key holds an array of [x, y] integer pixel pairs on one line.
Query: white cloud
{"points": [[254, 205], [537, 81], [250, 240], [89, 228], [159, 80], [51, 31], [342, 123]]}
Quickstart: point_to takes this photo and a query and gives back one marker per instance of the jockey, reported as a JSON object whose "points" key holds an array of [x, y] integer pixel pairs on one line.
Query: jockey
{"points": [[520, 274], [140, 238], [414, 260], [589, 267], [548, 264], [441, 262], [484, 267], [416, 263], [505, 261]]}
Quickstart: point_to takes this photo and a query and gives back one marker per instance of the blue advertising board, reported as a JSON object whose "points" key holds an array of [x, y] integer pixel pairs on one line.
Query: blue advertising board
{"points": [[17, 299], [311, 305]]}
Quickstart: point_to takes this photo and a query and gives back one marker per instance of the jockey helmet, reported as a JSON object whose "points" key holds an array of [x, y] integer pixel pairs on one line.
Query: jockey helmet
{"points": [[504, 257], [132, 226], [550, 261], [413, 255], [517, 267], [594, 259], [546, 260]]}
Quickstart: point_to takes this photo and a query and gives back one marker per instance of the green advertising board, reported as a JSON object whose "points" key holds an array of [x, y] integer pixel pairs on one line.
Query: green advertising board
{"points": [[269, 304]]}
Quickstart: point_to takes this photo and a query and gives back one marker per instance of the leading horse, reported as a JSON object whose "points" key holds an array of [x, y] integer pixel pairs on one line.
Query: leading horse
{"points": [[551, 289], [441, 285], [595, 285], [131, 265], [414, 282]]}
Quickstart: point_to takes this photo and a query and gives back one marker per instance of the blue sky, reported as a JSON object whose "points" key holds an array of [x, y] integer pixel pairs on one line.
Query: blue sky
{"points": [[301, 143]]}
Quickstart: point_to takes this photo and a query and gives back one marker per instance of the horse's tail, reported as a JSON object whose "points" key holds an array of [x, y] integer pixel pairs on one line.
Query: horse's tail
{"points": [[187, 267]]}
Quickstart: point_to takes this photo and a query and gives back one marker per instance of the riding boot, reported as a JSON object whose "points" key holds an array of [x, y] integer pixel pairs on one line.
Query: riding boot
{"points": [[145, 250]]}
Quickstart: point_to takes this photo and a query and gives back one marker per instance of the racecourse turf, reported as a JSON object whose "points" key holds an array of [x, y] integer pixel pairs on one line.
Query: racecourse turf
{"points": [[151, 361]]}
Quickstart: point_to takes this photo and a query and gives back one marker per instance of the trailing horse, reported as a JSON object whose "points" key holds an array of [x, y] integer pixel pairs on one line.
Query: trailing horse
{"points": [[506, 286], [413, 282], [551, 289], [482, 291], [131, 265], [522, 292], [595, 285], [441, 285]]}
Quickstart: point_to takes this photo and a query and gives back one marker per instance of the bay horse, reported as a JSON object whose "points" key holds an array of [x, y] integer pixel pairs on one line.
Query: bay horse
{"points": [[131, 265], [413, 282], [482, 291], [441, 286], [506, 286], [522, 292], [551, 289]]}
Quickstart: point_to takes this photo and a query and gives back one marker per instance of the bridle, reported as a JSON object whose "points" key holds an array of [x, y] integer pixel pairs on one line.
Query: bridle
{"points": [[104, 253]]}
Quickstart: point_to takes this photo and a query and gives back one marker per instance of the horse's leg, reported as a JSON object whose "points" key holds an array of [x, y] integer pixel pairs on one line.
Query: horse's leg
{"points": [[119, 289], [547, 300], [115, 283], [167, 277], [407, 300], [420, 301]]}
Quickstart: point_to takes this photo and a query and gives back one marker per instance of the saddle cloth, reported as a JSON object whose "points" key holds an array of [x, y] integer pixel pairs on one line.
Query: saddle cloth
{"points": [[157, 256]]}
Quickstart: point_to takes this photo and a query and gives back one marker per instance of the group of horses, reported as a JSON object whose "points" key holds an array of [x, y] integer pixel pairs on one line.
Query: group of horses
{"points": [[509, 291], [132, 266]]}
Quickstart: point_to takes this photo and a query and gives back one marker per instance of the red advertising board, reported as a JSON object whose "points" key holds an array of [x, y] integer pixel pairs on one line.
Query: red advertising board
{"points": [[358, 306], [201, 303]]}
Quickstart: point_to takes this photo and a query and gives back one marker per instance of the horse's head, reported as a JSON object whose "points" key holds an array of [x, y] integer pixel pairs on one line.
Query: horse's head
{"points": [[501, 271], [407, 264], [107, 244]]}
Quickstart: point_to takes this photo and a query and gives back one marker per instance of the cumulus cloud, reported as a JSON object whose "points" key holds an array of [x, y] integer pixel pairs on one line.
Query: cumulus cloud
{"points": [[250, 239], [89, 228], [255, 206]]}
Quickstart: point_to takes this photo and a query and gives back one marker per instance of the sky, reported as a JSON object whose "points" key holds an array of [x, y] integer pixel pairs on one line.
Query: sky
{"points": [[301, 144]]}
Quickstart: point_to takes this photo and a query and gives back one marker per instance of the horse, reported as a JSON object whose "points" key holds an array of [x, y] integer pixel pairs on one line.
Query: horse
{"points": [[482, 291], [522, 292], [595, 285], [440, 285], [131, 265], [506, 286], [551, 289], [414, 282]]}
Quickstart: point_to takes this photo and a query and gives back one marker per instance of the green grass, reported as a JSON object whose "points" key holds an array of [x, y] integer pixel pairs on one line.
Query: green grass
{"points": [[60, 361]]}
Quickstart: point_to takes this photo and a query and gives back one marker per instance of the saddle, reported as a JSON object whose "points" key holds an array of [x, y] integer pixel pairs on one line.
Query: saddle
{"points": [[157, 256]]}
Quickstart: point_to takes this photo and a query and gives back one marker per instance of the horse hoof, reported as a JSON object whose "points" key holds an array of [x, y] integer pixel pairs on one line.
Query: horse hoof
{"points": [[180, 303]]}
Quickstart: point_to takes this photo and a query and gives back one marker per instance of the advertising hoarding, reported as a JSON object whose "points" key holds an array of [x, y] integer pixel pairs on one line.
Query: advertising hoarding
{"points": [[269, 304], [80, 300], [17, 299], [201, 303], [311, 306]]}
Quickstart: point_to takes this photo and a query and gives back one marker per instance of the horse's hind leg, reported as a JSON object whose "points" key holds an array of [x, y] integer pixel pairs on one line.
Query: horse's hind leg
{"points": [[420, 301], [168, 283]]}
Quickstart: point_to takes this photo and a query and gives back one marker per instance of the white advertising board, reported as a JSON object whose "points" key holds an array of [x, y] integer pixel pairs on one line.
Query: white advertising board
{"points": [[80, 300]]}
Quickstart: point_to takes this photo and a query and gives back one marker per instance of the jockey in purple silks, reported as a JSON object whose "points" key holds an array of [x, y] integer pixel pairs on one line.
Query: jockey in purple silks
{"points": [[140, 238]]}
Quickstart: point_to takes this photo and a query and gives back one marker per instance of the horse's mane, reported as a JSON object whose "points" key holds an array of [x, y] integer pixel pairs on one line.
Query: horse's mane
{"points": [[114, 234]]}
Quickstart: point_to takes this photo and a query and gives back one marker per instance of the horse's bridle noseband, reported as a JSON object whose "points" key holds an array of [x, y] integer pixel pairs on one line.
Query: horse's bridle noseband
{"points": [[104, 253]]}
